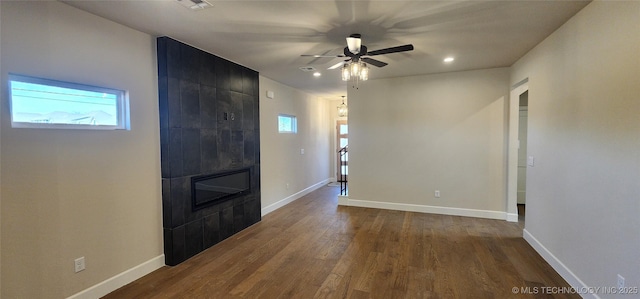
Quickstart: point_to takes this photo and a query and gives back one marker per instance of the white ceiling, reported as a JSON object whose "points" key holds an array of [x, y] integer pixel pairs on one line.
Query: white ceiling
{"points": [[269, 36]]}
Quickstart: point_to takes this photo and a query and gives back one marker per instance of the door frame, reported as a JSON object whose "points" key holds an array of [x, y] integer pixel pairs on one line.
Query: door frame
{"points": [[338, 161], [512, 155], [334, 147]]}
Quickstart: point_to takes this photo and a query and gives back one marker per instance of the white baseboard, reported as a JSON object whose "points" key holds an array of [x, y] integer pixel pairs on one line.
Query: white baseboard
{"points": [[279, 204], [573, 280], [120, 280], [345, 201], [512, 217]]}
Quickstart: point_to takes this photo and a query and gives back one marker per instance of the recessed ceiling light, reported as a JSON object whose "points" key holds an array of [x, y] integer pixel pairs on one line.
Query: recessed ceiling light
{"points": [[448, 59], [317, 74]]}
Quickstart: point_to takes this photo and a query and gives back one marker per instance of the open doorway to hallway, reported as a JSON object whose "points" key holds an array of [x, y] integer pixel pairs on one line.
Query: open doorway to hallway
{"points": [[522, 153], [342, 133], [518, 159]]}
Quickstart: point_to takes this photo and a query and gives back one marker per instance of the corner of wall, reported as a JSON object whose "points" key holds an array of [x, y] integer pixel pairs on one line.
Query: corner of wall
{"points": [[572, 279]]}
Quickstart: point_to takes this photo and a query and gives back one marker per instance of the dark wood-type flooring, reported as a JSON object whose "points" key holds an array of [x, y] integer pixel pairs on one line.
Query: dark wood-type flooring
{"points": [[313, 248]]}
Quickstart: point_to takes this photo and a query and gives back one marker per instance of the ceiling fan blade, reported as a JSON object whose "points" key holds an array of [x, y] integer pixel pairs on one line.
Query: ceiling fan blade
{"points": [[321, 56], [337, 65], [372, 61], [397, 49]]}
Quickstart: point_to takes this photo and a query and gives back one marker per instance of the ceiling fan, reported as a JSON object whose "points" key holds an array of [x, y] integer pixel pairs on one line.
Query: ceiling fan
{"points": [[358, 52]]}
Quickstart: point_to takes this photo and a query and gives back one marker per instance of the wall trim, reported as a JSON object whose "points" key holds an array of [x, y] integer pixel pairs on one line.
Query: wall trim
{"points": [[521, 82], [345, 201], [120, 280], [511, 217], [279, 204], [566, 273]]}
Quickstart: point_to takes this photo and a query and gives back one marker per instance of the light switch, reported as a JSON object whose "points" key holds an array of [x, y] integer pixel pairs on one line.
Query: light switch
{"points": [[302, 151], [530, 161]]}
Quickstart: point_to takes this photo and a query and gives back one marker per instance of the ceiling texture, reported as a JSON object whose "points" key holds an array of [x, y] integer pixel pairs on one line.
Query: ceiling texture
{"points": [[269, 36]]}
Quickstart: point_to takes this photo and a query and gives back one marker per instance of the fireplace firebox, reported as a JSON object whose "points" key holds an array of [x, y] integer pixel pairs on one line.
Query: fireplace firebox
{"points": [[210, 189]]}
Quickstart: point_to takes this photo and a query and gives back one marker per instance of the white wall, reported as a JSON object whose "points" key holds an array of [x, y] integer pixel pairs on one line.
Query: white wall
{"points": [[72, 193], [412, 135], [280, 160], [583, 194]]}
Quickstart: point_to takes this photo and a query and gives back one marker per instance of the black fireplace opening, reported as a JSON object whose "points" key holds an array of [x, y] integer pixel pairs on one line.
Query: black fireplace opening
{"points": [[210, 189]]}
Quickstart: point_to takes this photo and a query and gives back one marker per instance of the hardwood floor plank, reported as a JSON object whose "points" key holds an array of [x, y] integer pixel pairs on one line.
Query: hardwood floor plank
{"points": [[312, 248], [363, 282]]}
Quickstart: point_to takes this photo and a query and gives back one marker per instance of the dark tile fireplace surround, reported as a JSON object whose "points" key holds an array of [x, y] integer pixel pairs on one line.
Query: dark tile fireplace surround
{"points": [[208, 126]]}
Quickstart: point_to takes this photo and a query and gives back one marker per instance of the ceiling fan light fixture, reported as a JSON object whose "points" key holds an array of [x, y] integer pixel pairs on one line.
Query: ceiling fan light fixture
{"points": [[364, 72], [355, 69], [346, 72]]}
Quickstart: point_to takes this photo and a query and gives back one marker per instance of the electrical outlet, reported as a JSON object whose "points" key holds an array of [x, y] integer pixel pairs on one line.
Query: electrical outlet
{"points": [[287, 185], [620, 282], [302, 151], [436, 194], [79, 264]]}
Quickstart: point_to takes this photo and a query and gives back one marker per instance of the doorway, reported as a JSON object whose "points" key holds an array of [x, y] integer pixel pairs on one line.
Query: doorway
{"points": [[517, 151], [522, 154], [342, 133]]}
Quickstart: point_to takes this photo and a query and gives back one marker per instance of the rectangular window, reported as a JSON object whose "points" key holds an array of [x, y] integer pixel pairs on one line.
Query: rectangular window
{"points": [[287, 123], [44, 103]]}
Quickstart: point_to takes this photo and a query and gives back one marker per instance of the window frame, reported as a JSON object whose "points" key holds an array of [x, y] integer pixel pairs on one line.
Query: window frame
{"points": [[122, 104], [294, 123]]}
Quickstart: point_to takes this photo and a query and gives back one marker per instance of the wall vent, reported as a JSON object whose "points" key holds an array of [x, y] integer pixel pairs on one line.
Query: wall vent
{"points": [[308, 69], [195, 4]]}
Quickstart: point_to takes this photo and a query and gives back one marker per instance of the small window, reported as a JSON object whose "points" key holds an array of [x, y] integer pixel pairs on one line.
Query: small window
{"points": [[44, 103], [287, 124]]}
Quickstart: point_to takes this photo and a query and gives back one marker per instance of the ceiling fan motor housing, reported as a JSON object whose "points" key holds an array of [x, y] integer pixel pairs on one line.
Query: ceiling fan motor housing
{"points": [[362, 52]]}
